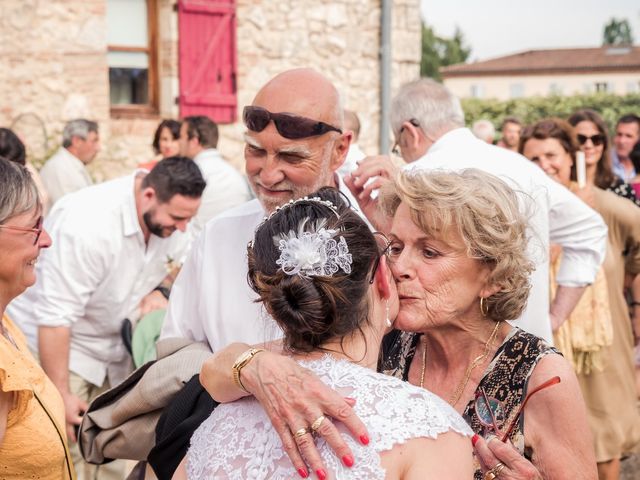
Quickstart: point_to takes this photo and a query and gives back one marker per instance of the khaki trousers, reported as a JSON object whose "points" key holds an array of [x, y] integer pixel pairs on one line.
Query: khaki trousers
{"points": [[86, 471]]}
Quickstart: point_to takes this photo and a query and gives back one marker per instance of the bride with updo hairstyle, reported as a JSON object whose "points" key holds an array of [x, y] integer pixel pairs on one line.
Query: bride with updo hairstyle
{"points": [[323, 277]]}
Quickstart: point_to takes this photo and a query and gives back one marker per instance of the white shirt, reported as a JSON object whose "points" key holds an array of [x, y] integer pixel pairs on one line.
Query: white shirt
{"points": [[558, 217], [94, 276], [64, 173], [226, 187], [211, 299]]}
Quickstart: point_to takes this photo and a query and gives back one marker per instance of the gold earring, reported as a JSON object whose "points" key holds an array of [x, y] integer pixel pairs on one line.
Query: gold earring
{"points": [[484, 308]]}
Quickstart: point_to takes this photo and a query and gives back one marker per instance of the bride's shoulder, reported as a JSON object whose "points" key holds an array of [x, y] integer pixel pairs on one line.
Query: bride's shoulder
{"points": [[386, 402]]}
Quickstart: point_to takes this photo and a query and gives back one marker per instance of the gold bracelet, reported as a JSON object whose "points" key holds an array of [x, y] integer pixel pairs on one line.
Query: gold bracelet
{"points": [[241, 362]]}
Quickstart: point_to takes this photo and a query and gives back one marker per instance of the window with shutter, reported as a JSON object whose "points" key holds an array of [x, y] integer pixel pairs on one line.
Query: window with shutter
{"points": [[207, 50], [131, 31]]}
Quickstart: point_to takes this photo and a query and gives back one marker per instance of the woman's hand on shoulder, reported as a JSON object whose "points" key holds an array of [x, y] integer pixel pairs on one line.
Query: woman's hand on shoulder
{"points": [[293, 398]]}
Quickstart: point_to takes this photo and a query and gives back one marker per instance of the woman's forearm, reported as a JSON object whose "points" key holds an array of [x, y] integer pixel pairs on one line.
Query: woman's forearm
{"points": [[216, 375]]}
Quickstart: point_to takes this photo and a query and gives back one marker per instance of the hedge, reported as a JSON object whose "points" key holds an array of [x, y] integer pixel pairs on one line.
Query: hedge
{"points": [[532, 109]]}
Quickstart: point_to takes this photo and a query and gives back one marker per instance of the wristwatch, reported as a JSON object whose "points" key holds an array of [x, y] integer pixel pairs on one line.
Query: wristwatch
{"points": [[241, 362], [163, 290]]}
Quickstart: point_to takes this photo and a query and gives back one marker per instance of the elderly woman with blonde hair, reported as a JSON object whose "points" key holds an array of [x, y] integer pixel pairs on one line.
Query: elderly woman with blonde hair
{"points": [[457, 251]]}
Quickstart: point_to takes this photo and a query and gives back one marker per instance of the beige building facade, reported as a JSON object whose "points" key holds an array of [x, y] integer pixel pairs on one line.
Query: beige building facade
{"points": [[58, 58], [513, 86], [548, 72]]}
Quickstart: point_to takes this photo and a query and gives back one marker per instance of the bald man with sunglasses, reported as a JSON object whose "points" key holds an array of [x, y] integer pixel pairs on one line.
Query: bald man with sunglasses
{"points": [[294, 144]]}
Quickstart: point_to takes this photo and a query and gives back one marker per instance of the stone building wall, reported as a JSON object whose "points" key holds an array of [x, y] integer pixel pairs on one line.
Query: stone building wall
{"points": [[55, 67]]}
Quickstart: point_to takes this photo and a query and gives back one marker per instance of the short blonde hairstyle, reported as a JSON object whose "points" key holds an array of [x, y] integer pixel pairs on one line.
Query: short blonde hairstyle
{"points": [[485, 212]]}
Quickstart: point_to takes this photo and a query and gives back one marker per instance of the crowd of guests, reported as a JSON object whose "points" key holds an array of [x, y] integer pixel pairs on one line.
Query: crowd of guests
{"points": [[366, 319]]}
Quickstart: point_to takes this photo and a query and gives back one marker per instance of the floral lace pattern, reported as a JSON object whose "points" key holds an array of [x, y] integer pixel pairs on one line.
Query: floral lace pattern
{"points": [[238, 441]]}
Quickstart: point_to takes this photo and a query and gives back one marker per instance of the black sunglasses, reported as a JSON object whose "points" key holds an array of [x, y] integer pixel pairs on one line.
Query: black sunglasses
{"points": [[288, 125], [597, 139]]}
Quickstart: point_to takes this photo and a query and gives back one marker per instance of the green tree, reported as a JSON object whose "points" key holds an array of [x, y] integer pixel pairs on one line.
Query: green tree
{"points": [[617, 32], [440, 51]]}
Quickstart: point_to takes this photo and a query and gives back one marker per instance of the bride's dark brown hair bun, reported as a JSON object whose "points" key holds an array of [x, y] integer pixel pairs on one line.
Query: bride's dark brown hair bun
{"points": [[313, 309]]}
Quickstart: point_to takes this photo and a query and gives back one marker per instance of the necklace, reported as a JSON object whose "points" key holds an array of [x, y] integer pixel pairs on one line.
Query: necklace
{"points": [[455, 397]]}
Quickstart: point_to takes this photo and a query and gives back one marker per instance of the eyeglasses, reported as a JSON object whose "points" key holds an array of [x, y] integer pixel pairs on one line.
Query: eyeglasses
{"points": [[383, 244], [37, 229], [288, 125], [396, 147], [490, 411], [597, 139]]}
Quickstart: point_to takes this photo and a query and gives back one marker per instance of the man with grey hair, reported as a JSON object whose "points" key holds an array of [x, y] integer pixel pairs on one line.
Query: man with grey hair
{"points": [[65, 171], [484, 130], [428, 124]]}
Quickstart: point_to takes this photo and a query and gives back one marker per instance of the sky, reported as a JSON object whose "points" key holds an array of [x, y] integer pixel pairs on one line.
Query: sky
{"points": [[499, 27]]}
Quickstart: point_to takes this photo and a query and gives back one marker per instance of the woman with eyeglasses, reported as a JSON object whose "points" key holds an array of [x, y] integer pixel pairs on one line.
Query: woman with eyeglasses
{"points": [[593, 140], [32, 439], [321, 274], [609, 386]]}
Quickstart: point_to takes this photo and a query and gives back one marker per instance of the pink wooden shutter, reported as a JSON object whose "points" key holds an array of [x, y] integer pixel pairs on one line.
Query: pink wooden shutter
{"points": [[207, 52]]}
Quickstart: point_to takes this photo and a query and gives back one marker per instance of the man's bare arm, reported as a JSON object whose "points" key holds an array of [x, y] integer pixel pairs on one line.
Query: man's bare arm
{"points": [[53, 347], [563, 304]]}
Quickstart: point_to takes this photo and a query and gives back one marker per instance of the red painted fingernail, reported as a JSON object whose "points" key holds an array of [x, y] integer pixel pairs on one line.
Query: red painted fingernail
{"points": [[348, 460], [320, 473], [364, 439], [350, 399], [303, 473], [475, 439]]}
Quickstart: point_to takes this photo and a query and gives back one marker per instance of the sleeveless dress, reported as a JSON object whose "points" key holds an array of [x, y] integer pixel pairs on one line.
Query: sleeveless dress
{"points": [[505, 380], [238, 441]]}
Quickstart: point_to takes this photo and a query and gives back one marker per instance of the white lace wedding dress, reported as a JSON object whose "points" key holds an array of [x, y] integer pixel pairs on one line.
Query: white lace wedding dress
{"points": [[238, 442]]}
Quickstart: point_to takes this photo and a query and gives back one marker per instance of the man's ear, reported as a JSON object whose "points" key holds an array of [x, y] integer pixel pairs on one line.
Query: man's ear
{"points": [[148, 195], [413, 136], [75, 142], [340, 150]]}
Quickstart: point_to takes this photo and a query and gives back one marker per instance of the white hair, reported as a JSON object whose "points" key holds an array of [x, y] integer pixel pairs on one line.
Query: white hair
{"points": [[484, 130], [435, 108], [18, 191]]}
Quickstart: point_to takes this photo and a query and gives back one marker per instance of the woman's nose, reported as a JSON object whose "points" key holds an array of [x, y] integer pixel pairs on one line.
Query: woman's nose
{"points": [[45, 240]]}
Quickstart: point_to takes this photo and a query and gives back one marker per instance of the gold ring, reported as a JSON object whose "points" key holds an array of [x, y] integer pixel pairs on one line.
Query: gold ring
{"points": [[494, 472], [299, 433], [316, 424], [498, 468]]}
